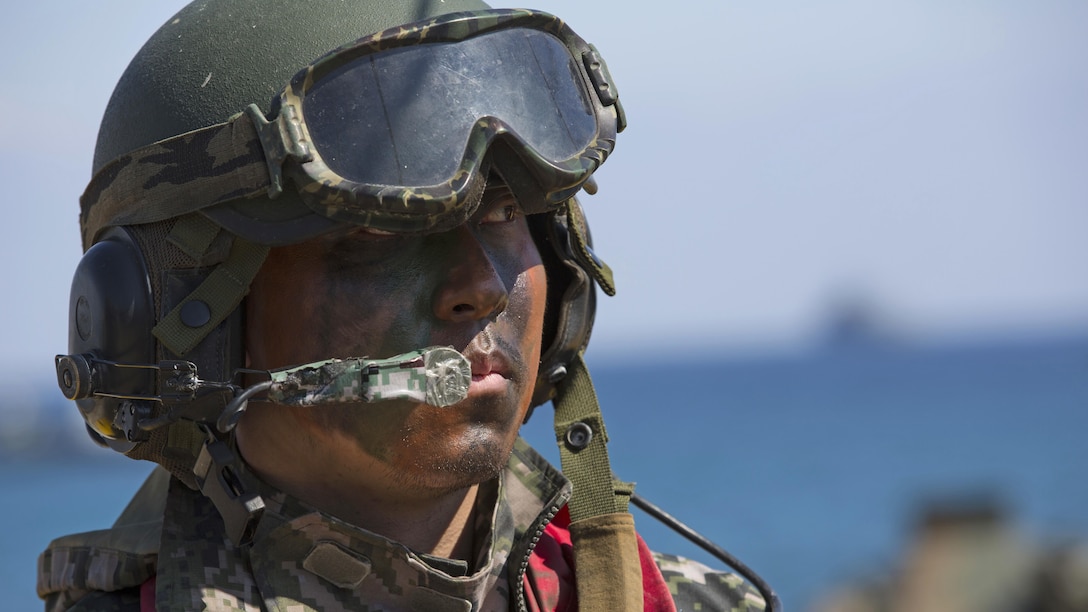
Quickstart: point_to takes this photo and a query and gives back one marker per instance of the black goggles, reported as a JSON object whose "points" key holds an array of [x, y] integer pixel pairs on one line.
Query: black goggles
{"points": [[392, 131]]}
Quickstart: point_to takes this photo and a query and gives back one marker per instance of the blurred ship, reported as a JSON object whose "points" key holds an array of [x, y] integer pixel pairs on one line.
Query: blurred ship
{"points": [[968, 557]]}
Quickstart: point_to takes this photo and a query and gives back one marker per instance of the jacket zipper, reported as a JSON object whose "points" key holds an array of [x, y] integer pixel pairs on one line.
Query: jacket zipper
{"points": [[552, 511]]}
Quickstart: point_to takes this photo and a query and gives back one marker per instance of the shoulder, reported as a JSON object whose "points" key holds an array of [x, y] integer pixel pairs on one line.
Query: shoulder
{"points": [[126, 600], [100, 570], [104, 569], [695, 586]]}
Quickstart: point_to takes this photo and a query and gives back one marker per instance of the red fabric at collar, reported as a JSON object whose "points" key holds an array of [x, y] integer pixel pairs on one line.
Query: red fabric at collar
{"points": [[147, 595], [549, 579]]}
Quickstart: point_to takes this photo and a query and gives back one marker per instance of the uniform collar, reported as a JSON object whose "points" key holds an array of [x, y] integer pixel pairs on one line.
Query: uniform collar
{"points": [[304, 556]]}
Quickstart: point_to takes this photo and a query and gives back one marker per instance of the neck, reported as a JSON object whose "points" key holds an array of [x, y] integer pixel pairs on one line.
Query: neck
{"points": [[334, 477]]}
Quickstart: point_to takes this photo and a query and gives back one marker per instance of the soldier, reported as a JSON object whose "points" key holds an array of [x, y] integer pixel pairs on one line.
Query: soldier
{"points": [[400, 220]]}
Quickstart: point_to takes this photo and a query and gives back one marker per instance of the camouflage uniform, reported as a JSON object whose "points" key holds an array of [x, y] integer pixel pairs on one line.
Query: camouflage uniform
{"points": [[169, 544]]}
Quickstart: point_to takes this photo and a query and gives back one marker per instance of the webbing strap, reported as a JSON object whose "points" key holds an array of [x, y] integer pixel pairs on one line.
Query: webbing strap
{"points": [[176, 176], [194, 234], [580, 434], [220, 293], [607, 567], [607, 564], [579, 229], [185, 437]]}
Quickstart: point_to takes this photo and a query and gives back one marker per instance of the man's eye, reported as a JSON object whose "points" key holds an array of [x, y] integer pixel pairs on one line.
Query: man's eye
{"points": [[502, 214]]}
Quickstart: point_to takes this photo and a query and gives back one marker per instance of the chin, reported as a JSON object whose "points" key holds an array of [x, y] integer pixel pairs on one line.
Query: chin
{"points": [[477, 457]]}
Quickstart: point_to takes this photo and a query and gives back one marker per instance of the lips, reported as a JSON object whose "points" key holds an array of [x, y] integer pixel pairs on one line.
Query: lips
{"points": [[488, 365]]}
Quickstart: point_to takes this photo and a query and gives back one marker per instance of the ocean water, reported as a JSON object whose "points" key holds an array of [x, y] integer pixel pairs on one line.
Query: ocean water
{"points": [[811, 468]]}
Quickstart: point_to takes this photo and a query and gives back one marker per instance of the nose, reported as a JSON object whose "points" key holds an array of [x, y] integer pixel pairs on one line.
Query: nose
{"points": [[473, 288]]}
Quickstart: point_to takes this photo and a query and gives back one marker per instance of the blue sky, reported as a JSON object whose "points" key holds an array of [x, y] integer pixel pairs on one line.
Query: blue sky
{"points": [[926, 158]]}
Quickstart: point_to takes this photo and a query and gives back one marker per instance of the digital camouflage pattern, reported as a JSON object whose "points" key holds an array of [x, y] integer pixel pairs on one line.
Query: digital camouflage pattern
{"points": [[694, 586], [243, 157], [438, 376], [302, 559], [305, 560]]}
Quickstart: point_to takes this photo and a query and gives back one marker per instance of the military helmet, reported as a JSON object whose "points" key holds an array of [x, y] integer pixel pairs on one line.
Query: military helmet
{"points": [[155, 303]]}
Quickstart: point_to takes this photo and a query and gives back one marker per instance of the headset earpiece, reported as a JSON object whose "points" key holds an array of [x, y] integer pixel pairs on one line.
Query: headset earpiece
{"points": [[110, 311]]}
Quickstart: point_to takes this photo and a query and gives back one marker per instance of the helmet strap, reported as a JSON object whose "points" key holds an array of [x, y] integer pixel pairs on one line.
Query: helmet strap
{"points": [[222, 291], [223, 478], [606, 556], [583, 252]]}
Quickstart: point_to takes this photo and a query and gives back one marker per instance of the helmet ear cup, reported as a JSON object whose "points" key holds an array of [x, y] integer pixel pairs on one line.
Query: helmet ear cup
{"points": [[121, 288], [110, 310], [572, 302]]}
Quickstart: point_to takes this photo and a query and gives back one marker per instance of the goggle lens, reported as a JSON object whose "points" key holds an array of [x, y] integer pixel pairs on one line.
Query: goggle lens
{"points": [[404, 116]]}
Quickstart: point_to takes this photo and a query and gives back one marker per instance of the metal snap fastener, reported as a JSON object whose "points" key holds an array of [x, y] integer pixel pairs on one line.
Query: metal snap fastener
{"points": [[557, 374], [579, 435], [195, 313]]}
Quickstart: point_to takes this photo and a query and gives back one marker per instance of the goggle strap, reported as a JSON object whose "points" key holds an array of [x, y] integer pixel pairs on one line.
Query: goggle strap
{"points": [[220, 293], [176, 176]]}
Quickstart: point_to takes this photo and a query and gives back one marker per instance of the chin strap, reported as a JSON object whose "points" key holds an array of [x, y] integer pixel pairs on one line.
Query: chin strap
{"points": [[606, 559]]}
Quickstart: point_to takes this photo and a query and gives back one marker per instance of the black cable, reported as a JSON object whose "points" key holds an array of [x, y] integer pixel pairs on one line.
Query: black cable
{"points": [[229, 418], [773, 604]]}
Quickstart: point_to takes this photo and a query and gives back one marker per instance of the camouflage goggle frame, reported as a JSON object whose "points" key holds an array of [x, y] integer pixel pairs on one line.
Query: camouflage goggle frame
{"points": [[389, 131]]}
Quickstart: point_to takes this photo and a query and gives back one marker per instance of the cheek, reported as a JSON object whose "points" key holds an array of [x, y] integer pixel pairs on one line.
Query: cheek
{"points": [[308, 306], [535, 280], [279, 307], [528, 293], [379, 313], [531, 293]]}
